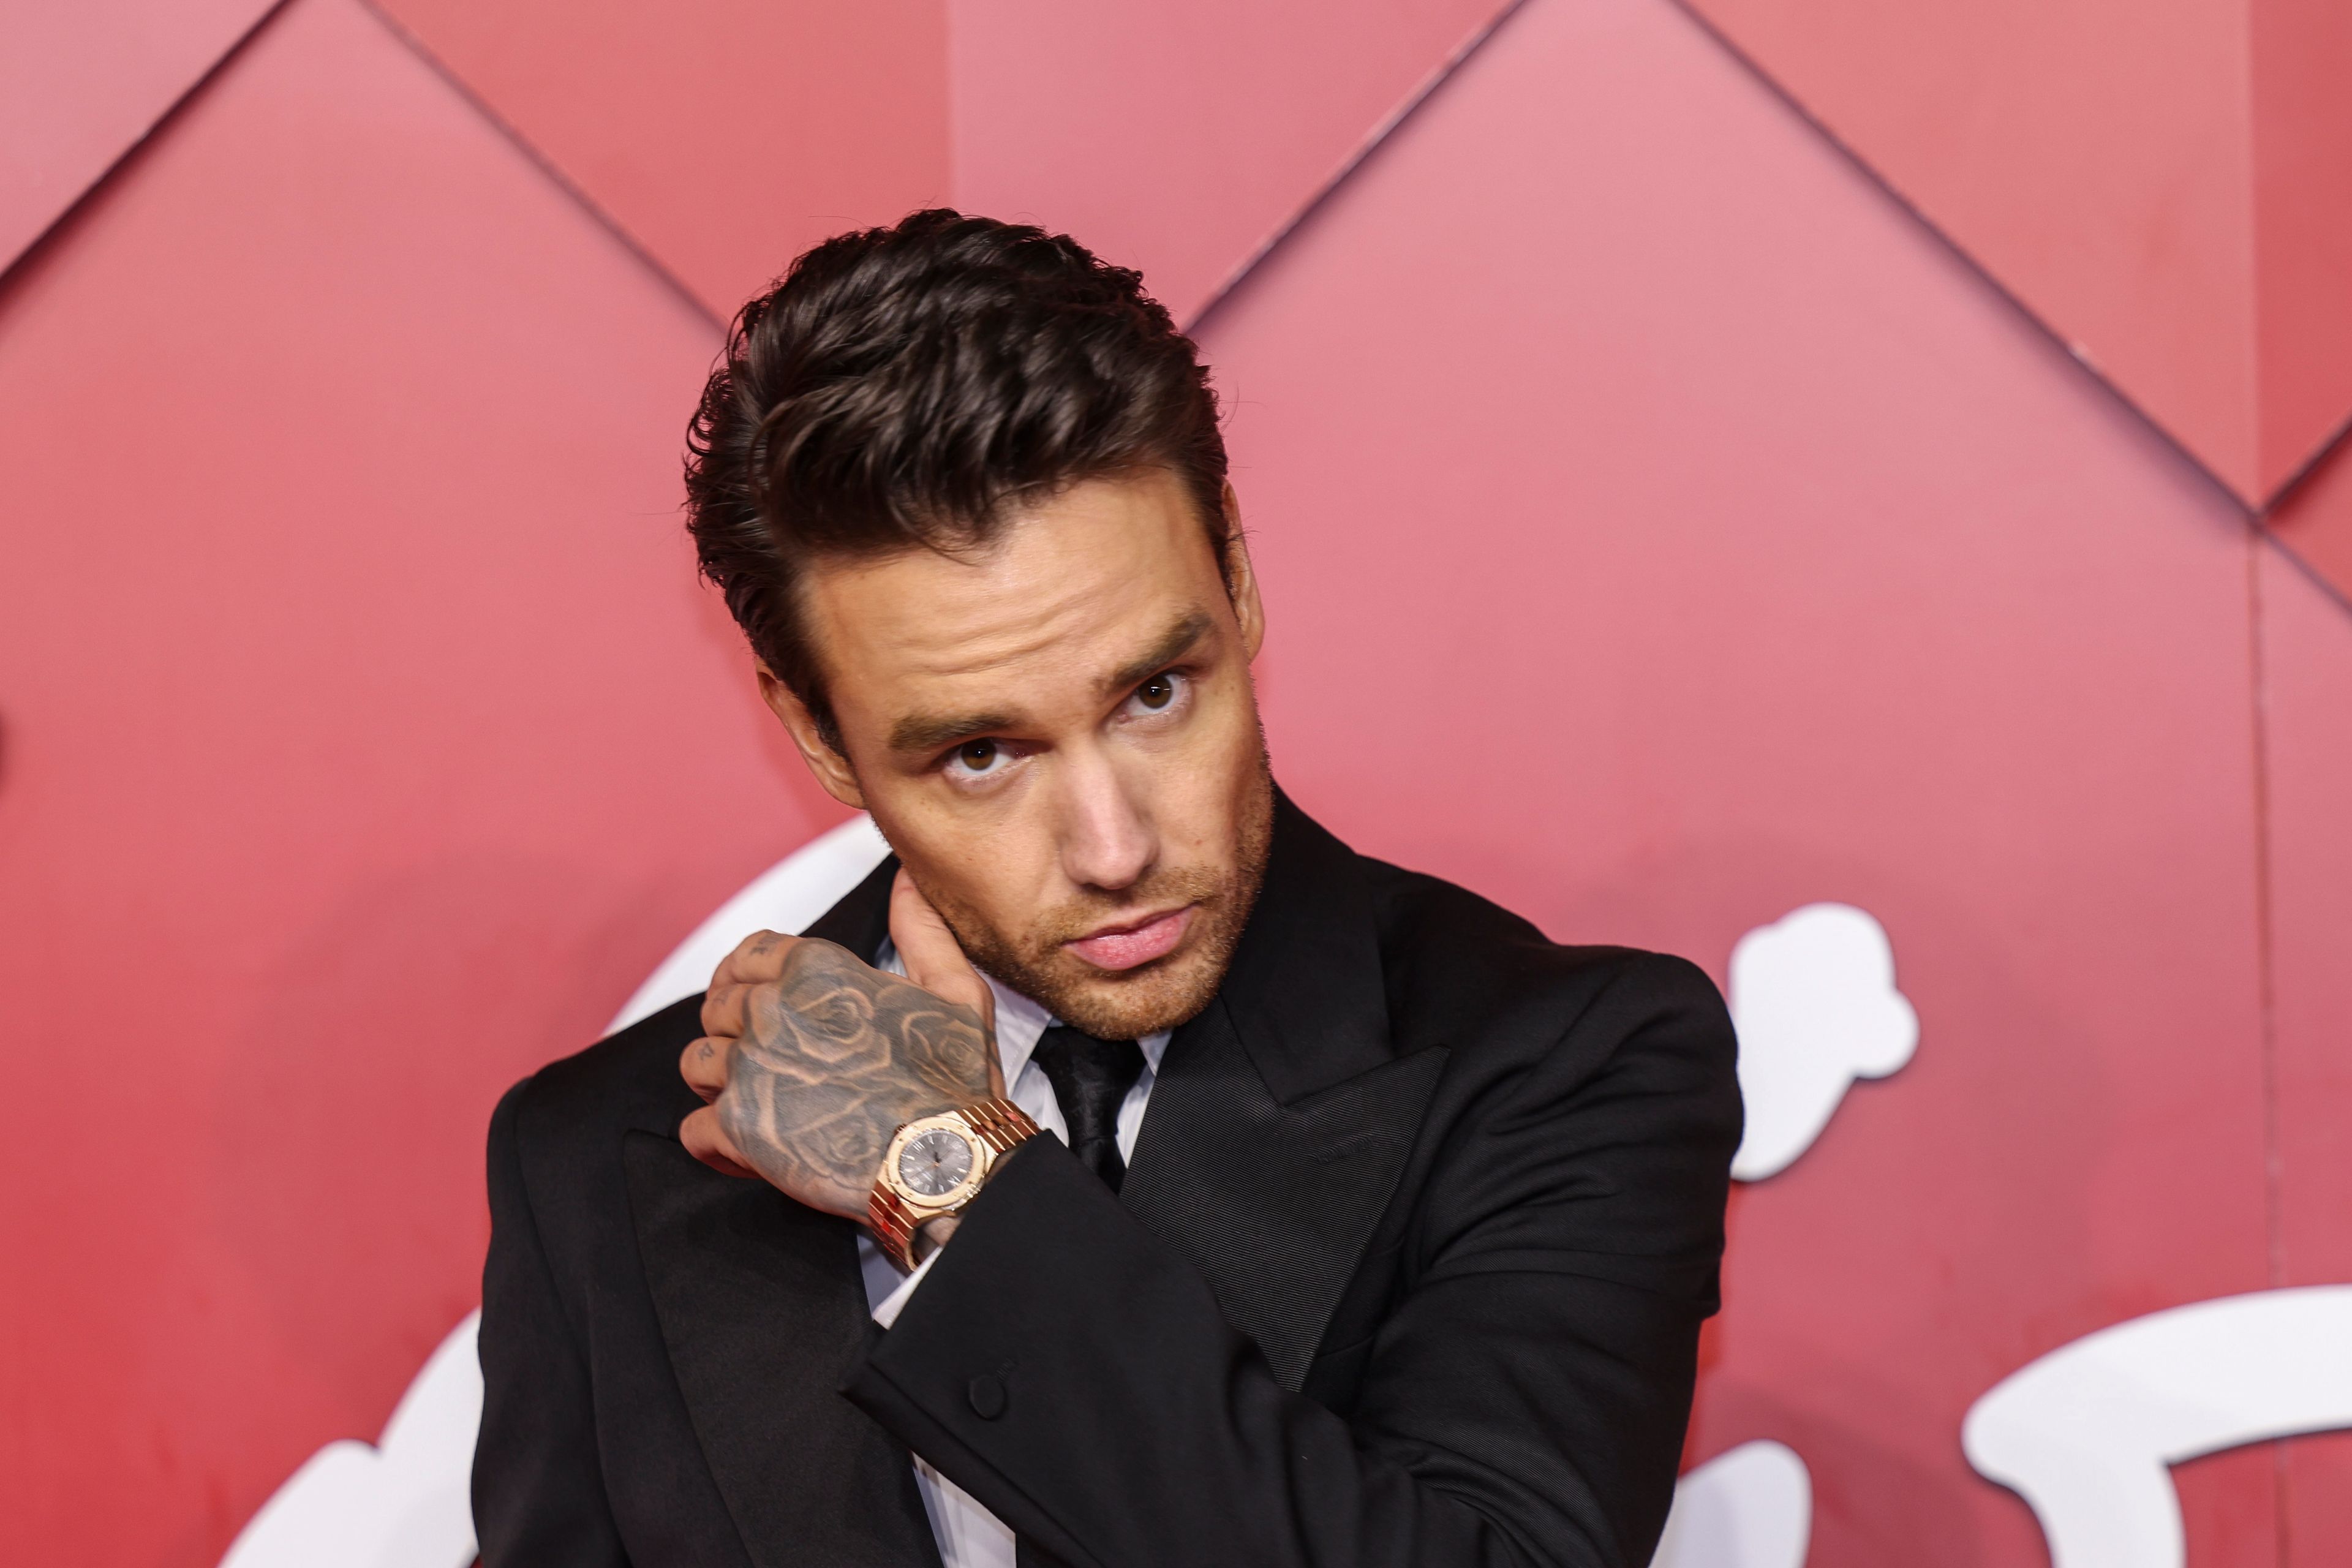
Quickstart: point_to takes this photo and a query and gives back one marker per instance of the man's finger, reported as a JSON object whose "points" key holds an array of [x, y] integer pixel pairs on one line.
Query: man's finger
{"points": [[934, 960], [708, 1141], [756, 960], [726, 1011], [704, 1065], [758, 957]]}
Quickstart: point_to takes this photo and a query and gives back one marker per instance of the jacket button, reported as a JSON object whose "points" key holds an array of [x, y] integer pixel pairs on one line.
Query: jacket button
{"points": [[987, 1396]]}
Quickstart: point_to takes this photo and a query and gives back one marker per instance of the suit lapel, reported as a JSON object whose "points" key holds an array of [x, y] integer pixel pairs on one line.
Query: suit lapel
{"points": [[762, 1312], [1281, 1117]]}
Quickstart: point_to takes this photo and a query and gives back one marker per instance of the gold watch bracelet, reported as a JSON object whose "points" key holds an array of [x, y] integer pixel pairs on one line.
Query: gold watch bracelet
{"points": [[999, 1123]]}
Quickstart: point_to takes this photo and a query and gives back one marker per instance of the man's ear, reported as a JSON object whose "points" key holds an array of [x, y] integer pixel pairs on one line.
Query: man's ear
{"points": [[831, 768], [1241, 578]]}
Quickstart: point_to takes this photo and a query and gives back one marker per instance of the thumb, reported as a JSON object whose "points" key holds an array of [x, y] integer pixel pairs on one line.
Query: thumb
{"points": [[934, 960]]}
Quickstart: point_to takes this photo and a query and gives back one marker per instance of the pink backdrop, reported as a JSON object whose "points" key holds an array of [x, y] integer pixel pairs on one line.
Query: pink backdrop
{"points": [[1701, 463]]}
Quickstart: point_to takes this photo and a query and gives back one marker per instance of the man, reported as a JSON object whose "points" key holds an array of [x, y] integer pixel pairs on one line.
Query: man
{"points": [[1127, 1172]]}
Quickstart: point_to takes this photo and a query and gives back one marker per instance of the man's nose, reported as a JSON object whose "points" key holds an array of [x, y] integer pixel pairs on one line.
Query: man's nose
{"points": [[1107, 842]]}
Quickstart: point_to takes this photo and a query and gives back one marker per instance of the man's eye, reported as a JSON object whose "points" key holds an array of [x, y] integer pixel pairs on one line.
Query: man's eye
{"points": [[977, 760], [1156, 692]]}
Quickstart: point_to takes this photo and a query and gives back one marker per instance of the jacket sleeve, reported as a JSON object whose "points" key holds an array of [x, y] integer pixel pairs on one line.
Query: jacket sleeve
{"points": [[539, 1494], [1523, 1402]]}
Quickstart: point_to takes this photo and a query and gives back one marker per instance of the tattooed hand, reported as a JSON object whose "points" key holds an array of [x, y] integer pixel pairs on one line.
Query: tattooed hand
{"points": [[812, 1059]]}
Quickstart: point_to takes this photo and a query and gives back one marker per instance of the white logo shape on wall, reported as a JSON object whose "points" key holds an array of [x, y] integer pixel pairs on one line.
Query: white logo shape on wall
{"points": [[402, 1503], [1814, 1000], [2087, 1433], [1813, 995], [1750, 1507]]}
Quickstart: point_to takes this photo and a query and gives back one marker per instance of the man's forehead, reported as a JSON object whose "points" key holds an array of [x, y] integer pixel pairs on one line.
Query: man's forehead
{"points": [[1078, 595], [1104, 548]]}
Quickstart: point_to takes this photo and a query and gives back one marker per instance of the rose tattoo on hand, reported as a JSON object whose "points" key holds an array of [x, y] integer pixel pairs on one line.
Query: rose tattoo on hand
{"points": [[811, 1059]]}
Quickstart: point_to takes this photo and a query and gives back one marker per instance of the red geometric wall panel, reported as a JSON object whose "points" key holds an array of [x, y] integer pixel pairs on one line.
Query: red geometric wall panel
{"points": [[82, 80], [723, 136], [1662, 530], [367, 740], [2315, 523], [2303, 228], [1182, 136], [2162, 185], [2306, 651]]}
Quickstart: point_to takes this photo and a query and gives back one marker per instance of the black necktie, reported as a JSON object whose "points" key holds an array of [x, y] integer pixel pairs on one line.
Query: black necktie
{"points": [[1091, 1079]]}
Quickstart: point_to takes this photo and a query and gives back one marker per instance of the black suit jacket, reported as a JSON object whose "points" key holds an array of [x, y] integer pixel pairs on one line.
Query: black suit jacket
{"points": [[1408, 1268]]}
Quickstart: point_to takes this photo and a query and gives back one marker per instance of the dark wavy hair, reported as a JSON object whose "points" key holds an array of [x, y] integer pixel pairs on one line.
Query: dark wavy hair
{"points": [[910, 388]]}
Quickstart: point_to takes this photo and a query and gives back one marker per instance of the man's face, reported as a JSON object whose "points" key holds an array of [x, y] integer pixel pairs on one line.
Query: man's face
{"points": [[1060, 739]]}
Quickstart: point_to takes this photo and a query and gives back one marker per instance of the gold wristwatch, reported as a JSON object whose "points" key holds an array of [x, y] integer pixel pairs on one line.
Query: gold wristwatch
{"points": [[937, 1164]]}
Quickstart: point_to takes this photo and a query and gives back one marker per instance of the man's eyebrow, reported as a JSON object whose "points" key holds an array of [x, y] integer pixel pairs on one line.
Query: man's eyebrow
{"points": [[1174, 646], [928, 731]]}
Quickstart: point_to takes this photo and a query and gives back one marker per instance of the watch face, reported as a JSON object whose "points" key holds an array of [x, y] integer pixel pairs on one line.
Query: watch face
{"points": [[932, 1163]]}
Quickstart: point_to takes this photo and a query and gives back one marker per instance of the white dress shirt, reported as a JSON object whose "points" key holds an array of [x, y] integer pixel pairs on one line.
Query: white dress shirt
{"points": [[969, 1535]]}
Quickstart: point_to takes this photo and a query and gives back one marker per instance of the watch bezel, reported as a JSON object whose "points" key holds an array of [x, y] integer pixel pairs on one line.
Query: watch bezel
{"points": [[982, 1156]]}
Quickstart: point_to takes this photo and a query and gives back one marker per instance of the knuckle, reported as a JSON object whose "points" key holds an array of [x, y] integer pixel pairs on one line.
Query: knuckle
{"points": [[728, 1119], [820, 956]]}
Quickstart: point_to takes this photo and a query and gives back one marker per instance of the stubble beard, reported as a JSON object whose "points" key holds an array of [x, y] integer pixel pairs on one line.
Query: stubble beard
{"points": [[1128, 1005]]}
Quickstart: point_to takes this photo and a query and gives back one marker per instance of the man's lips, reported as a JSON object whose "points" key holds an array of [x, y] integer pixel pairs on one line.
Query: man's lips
{"points": [[1124, 947]]}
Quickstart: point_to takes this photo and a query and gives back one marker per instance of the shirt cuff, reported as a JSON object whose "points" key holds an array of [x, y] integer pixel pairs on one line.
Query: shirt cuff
{"points": [[887, 1313]]}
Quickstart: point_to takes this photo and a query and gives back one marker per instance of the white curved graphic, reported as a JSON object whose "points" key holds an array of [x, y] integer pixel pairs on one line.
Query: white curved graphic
{"points": [[2085, 1434], [788, 897], [401, 1503], [1813, 998], [1750, 1507]]}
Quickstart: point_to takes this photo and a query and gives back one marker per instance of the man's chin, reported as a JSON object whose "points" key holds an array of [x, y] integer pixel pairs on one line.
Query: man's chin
{"points": [[1128, 1005]]}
